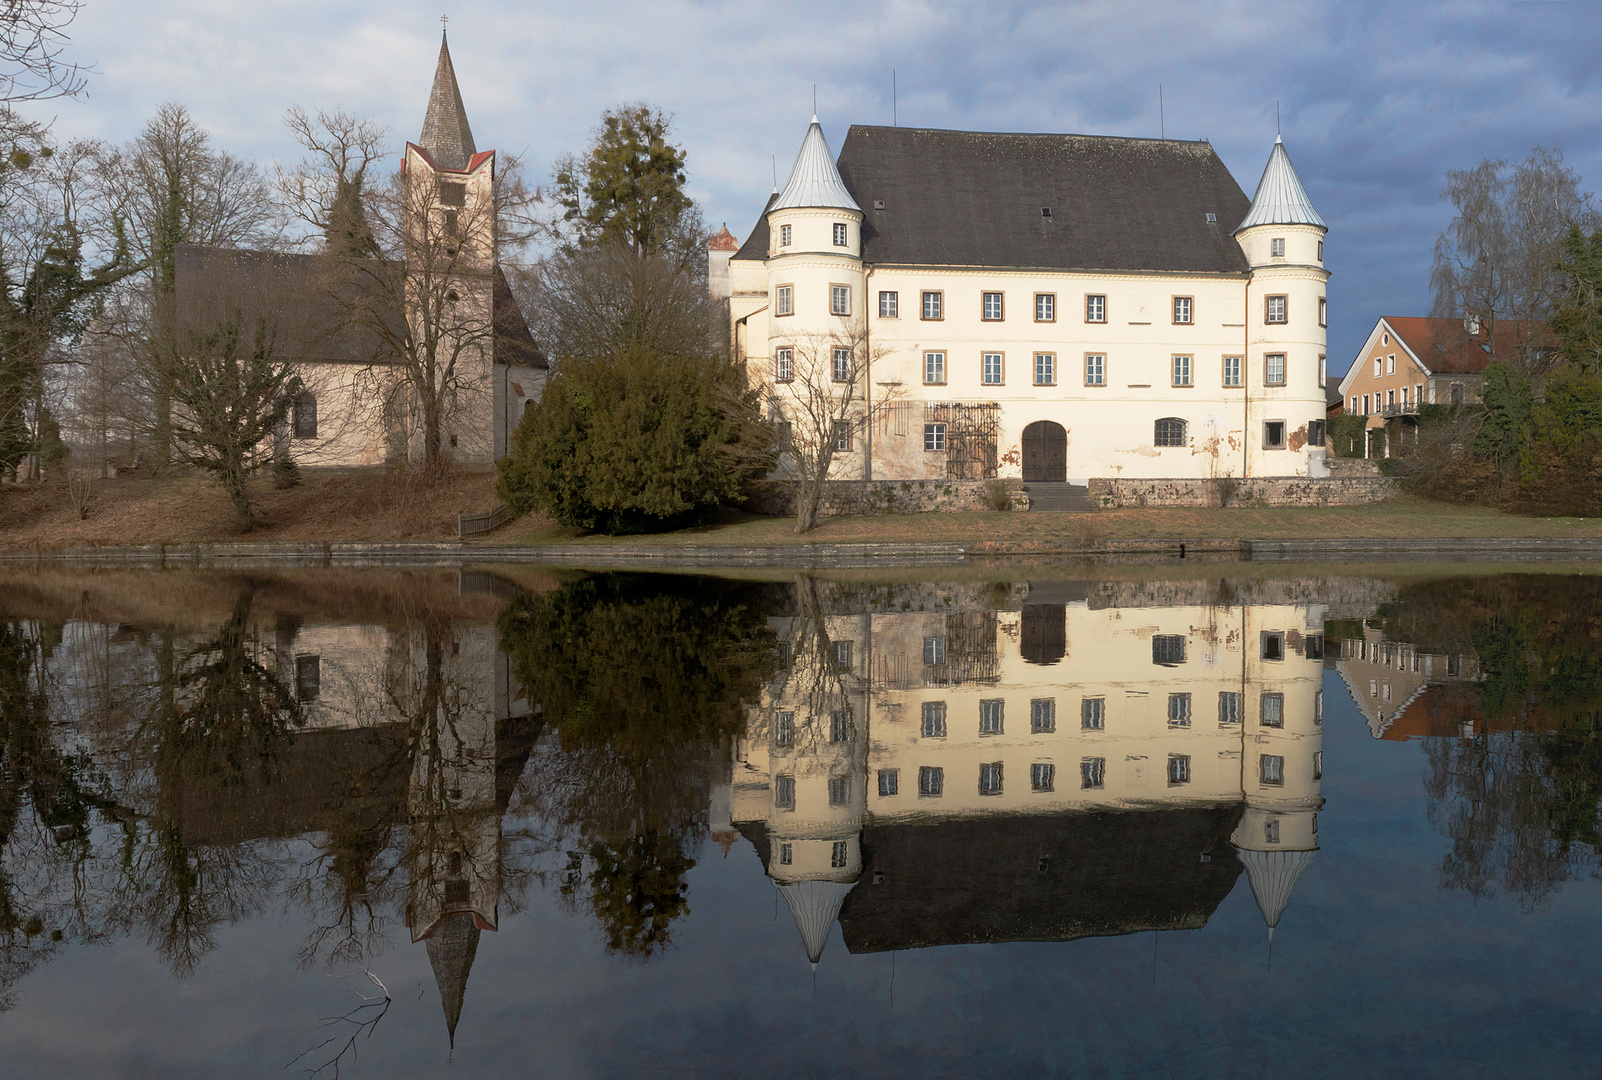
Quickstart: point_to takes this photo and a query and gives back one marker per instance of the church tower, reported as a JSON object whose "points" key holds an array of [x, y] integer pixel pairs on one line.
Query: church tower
{"points": [[450, 273]]}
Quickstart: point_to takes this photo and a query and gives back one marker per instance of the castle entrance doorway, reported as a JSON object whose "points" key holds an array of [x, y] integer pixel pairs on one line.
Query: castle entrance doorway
{"points": [[1045, 452]]}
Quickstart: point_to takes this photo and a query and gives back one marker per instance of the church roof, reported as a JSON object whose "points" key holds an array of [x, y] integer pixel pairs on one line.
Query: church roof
{"points": [[1273, 875], [446, 134], [814, 905], [970, 198], [723, 240], [451, 950], [1280, 198], [814, 181]]}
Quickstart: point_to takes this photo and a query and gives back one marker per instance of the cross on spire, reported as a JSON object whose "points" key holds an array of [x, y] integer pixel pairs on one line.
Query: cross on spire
{"points": [[443, 19]]}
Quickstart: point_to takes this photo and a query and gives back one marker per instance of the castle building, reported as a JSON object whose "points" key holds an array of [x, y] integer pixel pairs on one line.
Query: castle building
{"points": [[1050, 307]]}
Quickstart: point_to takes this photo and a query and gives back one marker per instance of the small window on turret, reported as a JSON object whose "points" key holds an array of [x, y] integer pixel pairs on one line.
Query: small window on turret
{"points": [[1274, 309], [784, 236], [840, 237], [1276, 247]]}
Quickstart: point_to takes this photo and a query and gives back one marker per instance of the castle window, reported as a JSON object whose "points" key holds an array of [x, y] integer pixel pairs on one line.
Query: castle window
{"points": [[1096, 308], [1092, 772], [1092, 713], [887, 305], [1273, 710], [931, 781], [1045, 369], [1042, 776], [1170, 432], [1321, 251], [1182, 371], [1179, 768], [1323, 371], [1271, 831], [1045, 307], [889, 782], [305, 416], [1276, 247], [992, 364], [841, 237], [786, 854], [1315, 437], [1182, 311], [1323, 311], [839, 853], [842, 655], [991, 307], [452, 193], [1271, 769], [934, 367], [840, 366], [784, 729], [1274, 309], [784, 300], [934, 437], [784, 365], [839, 790], [453, 223], [1274, 369], [784, 792], [933, 305], [990, 779], [1318, 764], [934, 650], [934, 720], [1042, 716], [1273, 435], [839, 299], [990, 713], [784, 236], [1095, 369], [1228, 707], [842, 434], [1167, 649], [1231, 371], [1273, 645], [308, 677], [840, 725], [1179, 710]]}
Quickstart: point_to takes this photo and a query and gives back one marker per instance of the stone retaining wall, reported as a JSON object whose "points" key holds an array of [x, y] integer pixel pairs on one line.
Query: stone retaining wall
{"points": [[1257, 491], [1349, 467], [862, 497]]}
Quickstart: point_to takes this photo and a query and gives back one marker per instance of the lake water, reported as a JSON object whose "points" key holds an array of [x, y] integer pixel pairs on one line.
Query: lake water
{"points": [[1073, 822]]}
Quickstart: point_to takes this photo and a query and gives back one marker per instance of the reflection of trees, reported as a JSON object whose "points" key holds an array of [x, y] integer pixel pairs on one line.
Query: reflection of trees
{"points": [[1518, 798], [646, 681]]}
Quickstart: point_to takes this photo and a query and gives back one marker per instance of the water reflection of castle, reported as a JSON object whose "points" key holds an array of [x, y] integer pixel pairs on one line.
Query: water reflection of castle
{"points": [[1059, 768]]}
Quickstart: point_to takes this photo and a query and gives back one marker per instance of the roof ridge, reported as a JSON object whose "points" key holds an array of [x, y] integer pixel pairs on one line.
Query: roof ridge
{"points": [[1030, 134]]}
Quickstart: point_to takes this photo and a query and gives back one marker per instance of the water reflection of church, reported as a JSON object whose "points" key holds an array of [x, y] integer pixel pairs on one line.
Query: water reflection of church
{"points": [[1079, 762]]}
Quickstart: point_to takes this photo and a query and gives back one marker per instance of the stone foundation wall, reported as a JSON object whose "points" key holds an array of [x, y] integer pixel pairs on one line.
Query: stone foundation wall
{"points": [[1263, 491], [863, 497]]}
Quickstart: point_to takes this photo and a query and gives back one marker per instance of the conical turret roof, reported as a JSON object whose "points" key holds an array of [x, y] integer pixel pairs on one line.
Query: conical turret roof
{"points": [[814, 181], [1280, 198], [451, 949], [446, 134], [1273, 876], [815, 905]]}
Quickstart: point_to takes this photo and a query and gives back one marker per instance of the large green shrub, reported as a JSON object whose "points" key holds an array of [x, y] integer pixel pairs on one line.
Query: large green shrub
{"points": [[634, 441]]}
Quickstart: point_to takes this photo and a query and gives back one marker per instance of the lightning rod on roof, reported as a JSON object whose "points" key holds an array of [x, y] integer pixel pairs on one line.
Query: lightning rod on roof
{"points": [[1162, 126], [1276, 117], [894, 119]]}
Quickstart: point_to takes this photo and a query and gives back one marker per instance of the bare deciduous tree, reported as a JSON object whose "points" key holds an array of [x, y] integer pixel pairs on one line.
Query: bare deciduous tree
{"points": [[328, 191]]}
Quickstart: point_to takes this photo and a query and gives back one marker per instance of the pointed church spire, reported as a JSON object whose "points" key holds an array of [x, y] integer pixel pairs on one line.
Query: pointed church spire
{"points": [[446, 134], [1280, 198], [451, 949], [814, 181]]}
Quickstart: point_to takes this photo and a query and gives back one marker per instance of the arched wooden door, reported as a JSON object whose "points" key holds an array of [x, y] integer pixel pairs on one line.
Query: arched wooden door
{"points": [[1045, 452]]}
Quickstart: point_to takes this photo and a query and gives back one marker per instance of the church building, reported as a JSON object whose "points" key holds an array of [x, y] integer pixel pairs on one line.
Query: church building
{"points": [[1050, 307]]}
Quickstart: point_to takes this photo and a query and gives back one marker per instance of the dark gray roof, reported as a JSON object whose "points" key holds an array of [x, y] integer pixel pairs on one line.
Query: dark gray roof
{"points": [[446, 134], [968, 198], [756, 245], [308, 299]]}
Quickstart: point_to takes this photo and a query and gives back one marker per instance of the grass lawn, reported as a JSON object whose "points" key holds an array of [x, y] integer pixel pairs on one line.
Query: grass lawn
{"points": [[1402, 517]]}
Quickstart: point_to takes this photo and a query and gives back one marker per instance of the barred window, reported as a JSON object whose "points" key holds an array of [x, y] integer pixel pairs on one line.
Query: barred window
{"points": [[1043, 716], [1179, 768], [934, 367], [1168, 649], [783, 365], [934, 437], [990, 779], [1179, 710], [889, 782], [990, 716], [452, 193], [1042, 776], [1093, 713], [931, 780], [1170, 432], [1092, 772], [934, 719]]}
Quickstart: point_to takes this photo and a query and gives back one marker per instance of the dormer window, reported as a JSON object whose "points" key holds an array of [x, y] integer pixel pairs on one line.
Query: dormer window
{"points": [[840, 238], [784, 236], [1276, 247]]}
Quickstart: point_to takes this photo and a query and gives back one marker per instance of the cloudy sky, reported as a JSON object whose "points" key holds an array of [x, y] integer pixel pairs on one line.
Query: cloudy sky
{"points": [[1376, 101]]}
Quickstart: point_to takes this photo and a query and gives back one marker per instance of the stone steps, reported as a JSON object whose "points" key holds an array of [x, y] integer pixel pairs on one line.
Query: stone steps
{"points": [[1056, 497]]}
